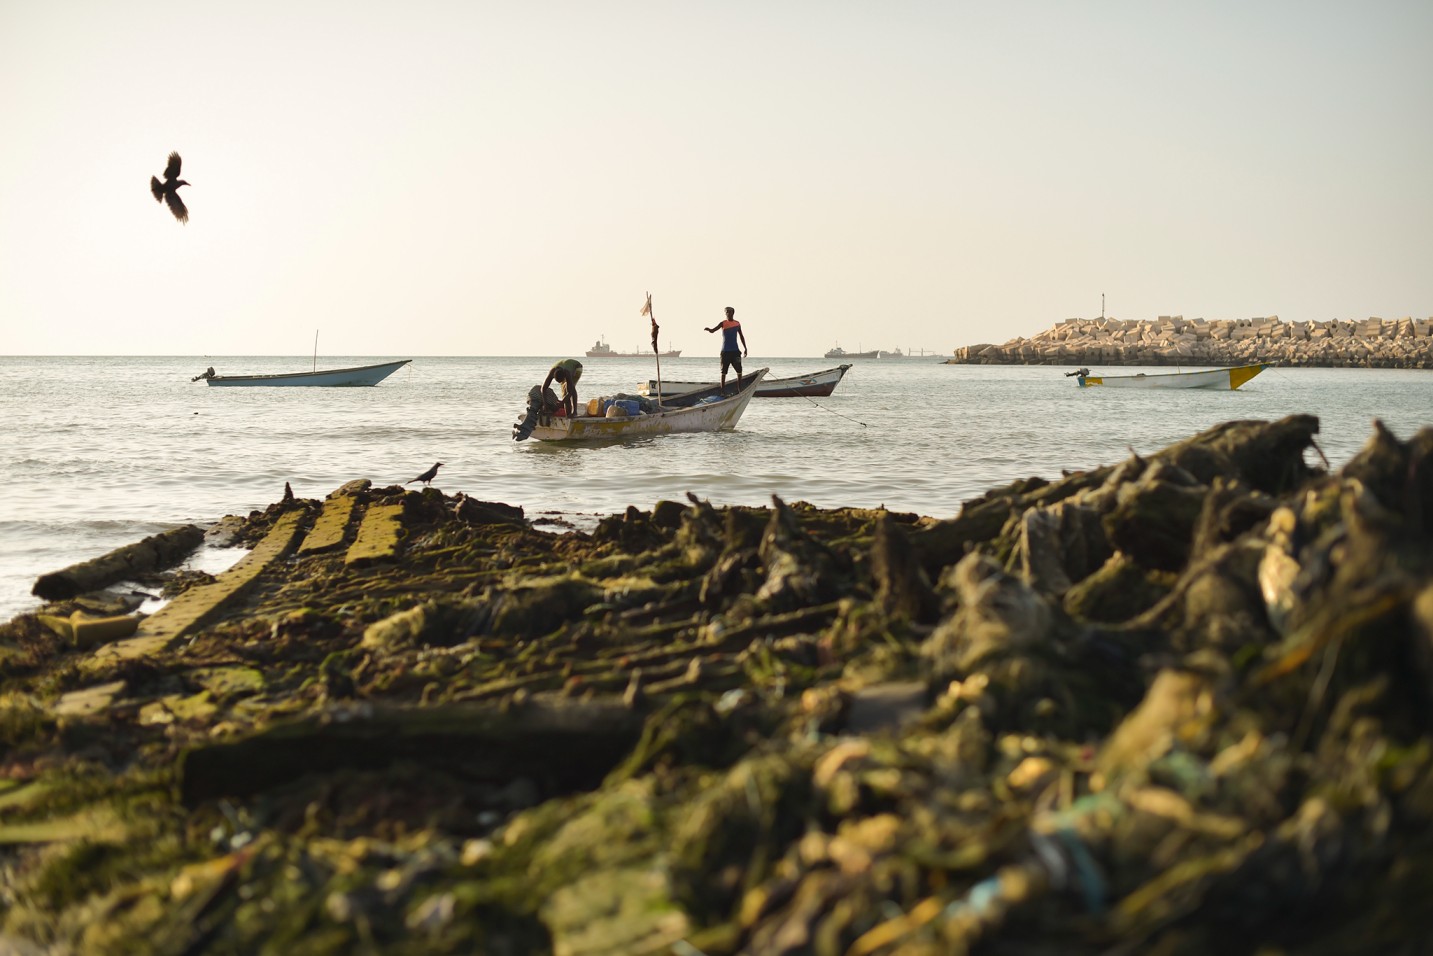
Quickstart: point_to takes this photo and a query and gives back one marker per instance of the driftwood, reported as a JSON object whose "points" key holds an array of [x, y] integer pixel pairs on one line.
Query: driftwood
{"points": [[154, 553]]}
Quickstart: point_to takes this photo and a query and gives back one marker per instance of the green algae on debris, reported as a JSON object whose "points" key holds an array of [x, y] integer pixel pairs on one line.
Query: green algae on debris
{"points": [[1151, 707]]}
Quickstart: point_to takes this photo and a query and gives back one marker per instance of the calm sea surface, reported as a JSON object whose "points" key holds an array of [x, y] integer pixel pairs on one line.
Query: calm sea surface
{"points": [[99, 452]]}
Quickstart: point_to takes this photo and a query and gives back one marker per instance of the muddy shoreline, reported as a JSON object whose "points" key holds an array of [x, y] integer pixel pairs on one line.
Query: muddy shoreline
{"points": [[1152, 706]]}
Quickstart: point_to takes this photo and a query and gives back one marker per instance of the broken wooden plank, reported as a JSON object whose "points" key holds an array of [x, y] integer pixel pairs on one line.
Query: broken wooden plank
{"points": [[88, 700], [190, 609], [85, 631], [331, 527], [378, 535]]}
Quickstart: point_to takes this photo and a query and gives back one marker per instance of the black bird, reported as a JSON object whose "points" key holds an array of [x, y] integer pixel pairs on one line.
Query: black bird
{"points": [[427, 476], [169, 189]]}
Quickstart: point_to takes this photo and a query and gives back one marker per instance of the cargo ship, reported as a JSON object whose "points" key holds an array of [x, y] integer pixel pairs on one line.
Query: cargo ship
{"points": [[600, 349], [840, 353]]}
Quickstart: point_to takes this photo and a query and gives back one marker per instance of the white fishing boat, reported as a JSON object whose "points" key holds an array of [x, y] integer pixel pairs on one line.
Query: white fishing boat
{"points": [[812, 384], [342, 377], [1217, 378], [700, 410]]}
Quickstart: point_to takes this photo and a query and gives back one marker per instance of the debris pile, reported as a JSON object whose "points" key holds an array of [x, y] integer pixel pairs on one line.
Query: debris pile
{"points": [[1152, 707]]}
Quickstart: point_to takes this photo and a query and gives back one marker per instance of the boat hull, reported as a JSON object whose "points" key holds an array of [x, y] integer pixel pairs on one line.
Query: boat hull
{"points": [[811, 385], [1215, 378], [331, 378], [720, 415]]}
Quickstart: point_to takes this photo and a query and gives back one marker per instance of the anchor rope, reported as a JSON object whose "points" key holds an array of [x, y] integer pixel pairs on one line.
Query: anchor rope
{"points": [[836, 413]]}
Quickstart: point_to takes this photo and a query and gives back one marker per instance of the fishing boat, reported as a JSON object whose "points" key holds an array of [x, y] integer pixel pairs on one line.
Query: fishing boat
{"points": [[703, 409], [811, 385], [839, 352], [1218, 378], [600, 349], [358, 375]]}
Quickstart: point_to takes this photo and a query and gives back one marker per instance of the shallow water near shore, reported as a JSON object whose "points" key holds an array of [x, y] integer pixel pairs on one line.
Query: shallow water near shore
{"points": [[101, 451]]}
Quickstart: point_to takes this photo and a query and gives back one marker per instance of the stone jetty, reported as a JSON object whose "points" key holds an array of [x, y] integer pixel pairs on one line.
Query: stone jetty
{"points": [[1175, 340], [1157, 706]]}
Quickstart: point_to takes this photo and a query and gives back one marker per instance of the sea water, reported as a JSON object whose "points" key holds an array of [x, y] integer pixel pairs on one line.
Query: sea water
{"points": [[98, 452]]}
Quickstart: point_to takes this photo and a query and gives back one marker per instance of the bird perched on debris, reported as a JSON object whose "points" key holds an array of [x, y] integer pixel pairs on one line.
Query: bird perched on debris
{"points": [[427, 476], [168, 191]]}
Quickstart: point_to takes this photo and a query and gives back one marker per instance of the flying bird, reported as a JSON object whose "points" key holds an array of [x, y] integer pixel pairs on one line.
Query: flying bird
{"points": [[427, 476], [169, 189]]}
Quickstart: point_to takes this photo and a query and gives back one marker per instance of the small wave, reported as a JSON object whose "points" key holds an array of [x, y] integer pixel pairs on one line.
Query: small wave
{"points": [[81, 526]]}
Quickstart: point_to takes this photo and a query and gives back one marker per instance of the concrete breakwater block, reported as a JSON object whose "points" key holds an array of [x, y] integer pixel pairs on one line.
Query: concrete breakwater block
{"points": [[1171, 340]]}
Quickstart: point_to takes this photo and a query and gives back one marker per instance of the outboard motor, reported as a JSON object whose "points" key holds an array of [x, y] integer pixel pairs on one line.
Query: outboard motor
{"points": [[540, 404], [1082, 372], [524, 426]]}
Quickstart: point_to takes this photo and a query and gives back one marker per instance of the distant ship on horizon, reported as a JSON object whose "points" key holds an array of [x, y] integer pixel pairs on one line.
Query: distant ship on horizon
{"points": [[600, 349], [839, 352]]}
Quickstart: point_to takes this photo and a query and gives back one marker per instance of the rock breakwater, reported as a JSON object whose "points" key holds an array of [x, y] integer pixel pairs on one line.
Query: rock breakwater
{"points": [[1174, 340], [1155, 706]]}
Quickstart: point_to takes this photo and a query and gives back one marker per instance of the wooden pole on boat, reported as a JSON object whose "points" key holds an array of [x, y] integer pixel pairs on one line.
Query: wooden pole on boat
{"points": [[315, 350], [650, 313]]}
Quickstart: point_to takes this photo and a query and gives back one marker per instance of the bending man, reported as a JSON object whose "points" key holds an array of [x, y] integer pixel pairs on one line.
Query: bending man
{"points": [[568, 371]]}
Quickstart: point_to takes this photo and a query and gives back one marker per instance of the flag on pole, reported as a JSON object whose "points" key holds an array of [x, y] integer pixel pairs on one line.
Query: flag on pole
{"points": [[647, 310]]}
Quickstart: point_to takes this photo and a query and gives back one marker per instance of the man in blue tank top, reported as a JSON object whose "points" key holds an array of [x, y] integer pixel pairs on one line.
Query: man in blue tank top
{"points": [[730, 357]]}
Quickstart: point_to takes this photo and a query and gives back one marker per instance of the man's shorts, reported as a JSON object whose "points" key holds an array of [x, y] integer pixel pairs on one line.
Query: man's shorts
{"points": [[731, 359]]}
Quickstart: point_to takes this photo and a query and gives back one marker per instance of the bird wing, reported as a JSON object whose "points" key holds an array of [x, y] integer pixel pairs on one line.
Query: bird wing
{"points": [[156, 187], [176, 206], [172, 170]]}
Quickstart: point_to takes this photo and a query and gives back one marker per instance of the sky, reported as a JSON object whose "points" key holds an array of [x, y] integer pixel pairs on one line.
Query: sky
{"points": [[483, 178]]}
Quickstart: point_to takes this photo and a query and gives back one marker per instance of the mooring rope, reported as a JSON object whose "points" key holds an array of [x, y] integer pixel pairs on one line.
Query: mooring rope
{"points": [[837, 414]]}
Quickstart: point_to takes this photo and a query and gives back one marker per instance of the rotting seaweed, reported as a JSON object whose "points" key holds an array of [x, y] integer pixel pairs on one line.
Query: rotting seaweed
{"points": [[1156, 706]]}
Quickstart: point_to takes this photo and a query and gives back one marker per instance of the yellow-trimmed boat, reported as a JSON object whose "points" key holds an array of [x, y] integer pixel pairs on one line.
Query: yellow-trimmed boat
{"points": [[706, 409], [1218, 378]]}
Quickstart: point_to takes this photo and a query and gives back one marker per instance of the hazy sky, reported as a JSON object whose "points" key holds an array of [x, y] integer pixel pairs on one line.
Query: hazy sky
{"points": [[474, 178]]}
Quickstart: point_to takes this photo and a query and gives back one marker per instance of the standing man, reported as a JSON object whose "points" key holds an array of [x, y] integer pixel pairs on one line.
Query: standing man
{"points": [[568, 371], [730, 357]]}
